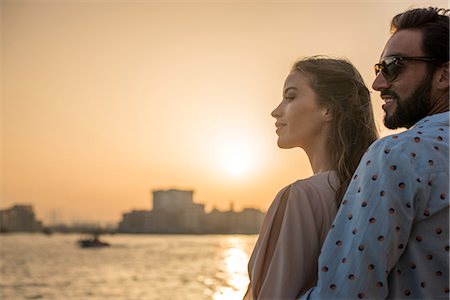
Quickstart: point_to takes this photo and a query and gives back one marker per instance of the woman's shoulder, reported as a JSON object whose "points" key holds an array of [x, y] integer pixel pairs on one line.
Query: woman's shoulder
{"points": [[313, 197], [317, 189], [322, 182]]}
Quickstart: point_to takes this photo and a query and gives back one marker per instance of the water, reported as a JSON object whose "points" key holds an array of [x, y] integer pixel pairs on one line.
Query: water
{"points": [[35, 266]]}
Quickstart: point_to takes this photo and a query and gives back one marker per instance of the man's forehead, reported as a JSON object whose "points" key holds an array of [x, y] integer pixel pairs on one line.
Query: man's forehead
{"points": [[406, 42]]}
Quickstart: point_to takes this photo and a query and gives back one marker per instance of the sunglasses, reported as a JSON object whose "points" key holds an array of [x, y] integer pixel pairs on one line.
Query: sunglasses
{"points": [[390, 67]]}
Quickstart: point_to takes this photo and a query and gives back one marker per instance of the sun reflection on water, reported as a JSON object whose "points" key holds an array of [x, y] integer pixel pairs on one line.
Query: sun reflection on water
{"points": [[235, 261]]}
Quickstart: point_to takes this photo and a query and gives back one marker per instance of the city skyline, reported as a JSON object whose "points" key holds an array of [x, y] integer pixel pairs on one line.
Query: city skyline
{"points": [[173, 211], [104, 100]]}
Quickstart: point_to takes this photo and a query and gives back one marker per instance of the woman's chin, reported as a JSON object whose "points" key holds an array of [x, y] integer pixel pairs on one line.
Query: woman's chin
{"points": [[284, 145]]}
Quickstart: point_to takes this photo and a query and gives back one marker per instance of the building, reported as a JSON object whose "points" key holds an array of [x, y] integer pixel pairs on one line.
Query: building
{"points": [[247, 221], [19, 218], [174, 211], [136, 221]]}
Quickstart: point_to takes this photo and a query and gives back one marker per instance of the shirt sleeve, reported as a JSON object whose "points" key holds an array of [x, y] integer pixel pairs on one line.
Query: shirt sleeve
{"points": [[292, 269], [371, 229]]}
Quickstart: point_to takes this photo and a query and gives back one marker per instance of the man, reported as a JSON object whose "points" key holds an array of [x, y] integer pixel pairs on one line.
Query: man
{"points": [[390, 238]]}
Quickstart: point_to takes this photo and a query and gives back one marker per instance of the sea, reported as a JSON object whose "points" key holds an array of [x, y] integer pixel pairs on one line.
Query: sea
{"points": [[38, 266]]}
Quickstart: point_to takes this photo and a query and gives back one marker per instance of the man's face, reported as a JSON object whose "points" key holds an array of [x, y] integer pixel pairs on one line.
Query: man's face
{"points": [[407, 97]]}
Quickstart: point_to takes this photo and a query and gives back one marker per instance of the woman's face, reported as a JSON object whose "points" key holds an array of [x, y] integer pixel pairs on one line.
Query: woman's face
{"points": [[299, 117]]}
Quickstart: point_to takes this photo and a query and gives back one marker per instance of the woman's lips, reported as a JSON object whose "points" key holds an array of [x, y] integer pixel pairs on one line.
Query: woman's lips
{"points": [[279, 126]]}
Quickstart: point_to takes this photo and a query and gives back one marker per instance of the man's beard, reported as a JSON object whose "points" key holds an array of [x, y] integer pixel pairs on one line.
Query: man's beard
{"points": [[411, 109]]}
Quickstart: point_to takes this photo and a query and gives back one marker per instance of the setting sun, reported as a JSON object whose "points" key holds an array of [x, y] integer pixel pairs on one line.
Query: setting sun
{"points": [[236, 159]]}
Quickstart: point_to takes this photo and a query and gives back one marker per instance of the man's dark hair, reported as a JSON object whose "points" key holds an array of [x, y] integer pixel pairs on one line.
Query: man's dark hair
{"points": [[434, 23]]}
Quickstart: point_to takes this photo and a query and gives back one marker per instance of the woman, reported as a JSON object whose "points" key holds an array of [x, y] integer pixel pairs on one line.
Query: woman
{"points": [[326, 111]]}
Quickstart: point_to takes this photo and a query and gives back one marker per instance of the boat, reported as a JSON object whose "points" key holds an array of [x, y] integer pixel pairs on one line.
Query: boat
{"points": [[47, 231], [94, 242]]}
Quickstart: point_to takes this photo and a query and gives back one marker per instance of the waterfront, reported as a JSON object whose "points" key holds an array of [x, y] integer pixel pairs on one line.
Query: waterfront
{"points": [[35, 266]]}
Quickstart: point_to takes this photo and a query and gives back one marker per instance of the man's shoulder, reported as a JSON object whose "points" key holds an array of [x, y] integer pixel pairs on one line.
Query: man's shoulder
{"points": [[424, 148], [397, 141], [417, 137]]}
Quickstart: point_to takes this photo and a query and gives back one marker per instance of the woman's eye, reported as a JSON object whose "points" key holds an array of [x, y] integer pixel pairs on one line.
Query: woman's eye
{"points": [[289, 98]]}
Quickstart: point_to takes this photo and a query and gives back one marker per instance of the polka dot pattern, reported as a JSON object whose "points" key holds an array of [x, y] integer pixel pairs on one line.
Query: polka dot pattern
{"points": [[394, 214]]}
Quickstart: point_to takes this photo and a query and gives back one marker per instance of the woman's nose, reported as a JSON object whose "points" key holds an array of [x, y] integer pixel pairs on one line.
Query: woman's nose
{"points": [[276, 113]]}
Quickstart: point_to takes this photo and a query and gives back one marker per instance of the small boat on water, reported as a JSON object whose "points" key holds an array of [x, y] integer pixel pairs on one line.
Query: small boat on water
{"points": [[94, 242], [47, 231]]}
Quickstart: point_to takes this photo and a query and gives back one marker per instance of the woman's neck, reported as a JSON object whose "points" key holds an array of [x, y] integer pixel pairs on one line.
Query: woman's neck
{"points": [[318, 155], [319, 162]]}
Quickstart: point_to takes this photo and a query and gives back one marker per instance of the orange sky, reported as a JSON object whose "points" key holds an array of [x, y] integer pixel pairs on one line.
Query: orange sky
{"points": [[104, 101]]}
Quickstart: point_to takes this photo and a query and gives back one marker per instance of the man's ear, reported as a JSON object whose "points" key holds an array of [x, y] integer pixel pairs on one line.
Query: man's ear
{"points": [[442, 79]]}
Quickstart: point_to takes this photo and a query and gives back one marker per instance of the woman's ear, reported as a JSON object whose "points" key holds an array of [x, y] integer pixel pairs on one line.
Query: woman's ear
{"points": [[327, 116]]}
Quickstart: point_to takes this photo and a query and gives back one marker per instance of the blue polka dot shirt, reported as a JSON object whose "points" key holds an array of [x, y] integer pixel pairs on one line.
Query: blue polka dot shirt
{"points": [[390, 238]]}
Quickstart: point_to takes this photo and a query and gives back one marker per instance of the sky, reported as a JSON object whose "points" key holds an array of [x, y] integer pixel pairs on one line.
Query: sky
{"points": [[103, 102]]}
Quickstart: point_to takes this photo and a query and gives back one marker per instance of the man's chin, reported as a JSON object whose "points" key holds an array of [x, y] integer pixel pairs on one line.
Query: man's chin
{"points": [[395, 123], [391, 122]]}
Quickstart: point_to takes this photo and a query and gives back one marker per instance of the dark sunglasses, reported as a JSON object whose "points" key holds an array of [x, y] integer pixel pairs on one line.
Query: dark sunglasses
{"points": [[390, 66]]}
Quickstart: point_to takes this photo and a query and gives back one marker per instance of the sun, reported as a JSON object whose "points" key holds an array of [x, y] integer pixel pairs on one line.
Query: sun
{"points": [[234, 154], [236, 159], [237, 164]]}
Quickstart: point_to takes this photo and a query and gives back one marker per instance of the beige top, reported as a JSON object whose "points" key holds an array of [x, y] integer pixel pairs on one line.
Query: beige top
{"points": [[283, 264]]}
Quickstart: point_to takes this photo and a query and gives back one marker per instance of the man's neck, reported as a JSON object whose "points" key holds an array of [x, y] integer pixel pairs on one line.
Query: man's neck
{"points": [[440, 105]]}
